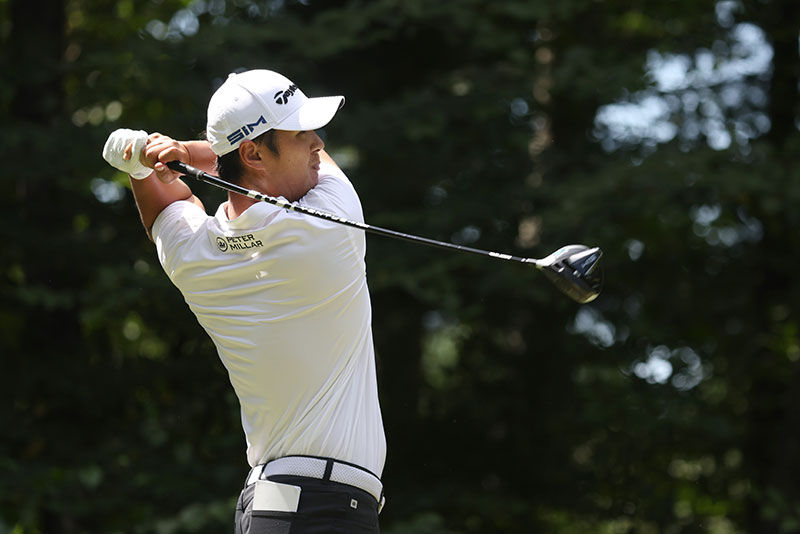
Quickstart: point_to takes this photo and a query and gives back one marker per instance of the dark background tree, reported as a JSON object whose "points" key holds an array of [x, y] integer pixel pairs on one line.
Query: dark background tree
{"points": [[664, 132]]}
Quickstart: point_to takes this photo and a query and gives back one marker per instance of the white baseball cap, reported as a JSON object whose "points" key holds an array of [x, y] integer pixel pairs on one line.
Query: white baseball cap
{"points": [[252, 102]]}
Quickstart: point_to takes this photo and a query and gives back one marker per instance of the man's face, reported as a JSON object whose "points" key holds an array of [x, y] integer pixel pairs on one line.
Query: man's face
{"points": [[295, 170]]}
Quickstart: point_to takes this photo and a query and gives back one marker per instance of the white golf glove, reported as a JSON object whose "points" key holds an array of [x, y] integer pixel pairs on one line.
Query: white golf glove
{"points": [[115, 148]]}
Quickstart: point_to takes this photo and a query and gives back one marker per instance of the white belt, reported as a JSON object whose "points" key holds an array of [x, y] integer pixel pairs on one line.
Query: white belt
{"points": [[322, 469]]}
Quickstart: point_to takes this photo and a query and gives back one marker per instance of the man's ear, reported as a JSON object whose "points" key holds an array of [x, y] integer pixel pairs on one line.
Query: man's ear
{"points": [[248, 153]]}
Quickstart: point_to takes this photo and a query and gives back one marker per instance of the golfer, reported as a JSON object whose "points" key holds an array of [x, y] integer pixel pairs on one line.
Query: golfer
{"points": [[283, 296]]}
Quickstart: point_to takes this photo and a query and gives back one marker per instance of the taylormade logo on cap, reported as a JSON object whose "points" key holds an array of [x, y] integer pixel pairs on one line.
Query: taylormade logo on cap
{"points": [[250, 103], [282, 97]]}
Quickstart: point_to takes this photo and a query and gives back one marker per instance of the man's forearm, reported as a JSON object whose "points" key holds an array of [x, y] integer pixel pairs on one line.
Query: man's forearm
{"points": [[201, 156]]}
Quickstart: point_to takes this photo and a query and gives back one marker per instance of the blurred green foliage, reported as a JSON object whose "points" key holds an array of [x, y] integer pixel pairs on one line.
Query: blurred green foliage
{"points": [[669, 405]]}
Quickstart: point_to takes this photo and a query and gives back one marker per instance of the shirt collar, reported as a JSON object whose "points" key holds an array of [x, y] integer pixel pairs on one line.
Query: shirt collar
{"points": [[253, 217]]}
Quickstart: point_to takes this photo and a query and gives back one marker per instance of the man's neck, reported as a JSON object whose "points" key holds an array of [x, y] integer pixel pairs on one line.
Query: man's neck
{"points": [[237, 204]]}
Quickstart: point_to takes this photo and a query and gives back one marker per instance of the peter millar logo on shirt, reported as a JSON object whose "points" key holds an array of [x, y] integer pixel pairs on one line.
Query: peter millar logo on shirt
{"points": [[238, 242]]}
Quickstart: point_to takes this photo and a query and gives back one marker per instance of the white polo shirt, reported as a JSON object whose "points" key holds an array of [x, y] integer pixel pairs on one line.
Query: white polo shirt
{"points": [[284, 298]]}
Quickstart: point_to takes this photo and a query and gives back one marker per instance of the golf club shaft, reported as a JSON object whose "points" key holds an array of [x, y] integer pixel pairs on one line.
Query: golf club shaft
{"points": [[255, 195]]}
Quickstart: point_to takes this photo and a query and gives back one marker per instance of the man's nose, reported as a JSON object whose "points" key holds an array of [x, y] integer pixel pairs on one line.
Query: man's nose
{"points": [[317, 142]]}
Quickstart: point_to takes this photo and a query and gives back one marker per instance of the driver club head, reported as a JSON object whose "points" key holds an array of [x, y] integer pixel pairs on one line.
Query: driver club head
{"points": [[576, 270]]}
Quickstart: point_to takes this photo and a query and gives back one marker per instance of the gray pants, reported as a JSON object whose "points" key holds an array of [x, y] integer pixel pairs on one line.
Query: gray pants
{"points": [[325, 508]]}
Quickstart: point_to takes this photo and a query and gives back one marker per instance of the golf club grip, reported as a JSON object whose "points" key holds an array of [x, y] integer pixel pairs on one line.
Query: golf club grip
{"points": [[179, 166], [203, 176]]}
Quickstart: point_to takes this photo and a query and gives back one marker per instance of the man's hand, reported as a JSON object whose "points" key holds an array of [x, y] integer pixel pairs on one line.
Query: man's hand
{"points": [[122, 142], [157, 151]]}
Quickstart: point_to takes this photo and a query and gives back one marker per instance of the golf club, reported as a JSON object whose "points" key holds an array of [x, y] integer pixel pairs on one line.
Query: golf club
{"points": [[574, 269]]}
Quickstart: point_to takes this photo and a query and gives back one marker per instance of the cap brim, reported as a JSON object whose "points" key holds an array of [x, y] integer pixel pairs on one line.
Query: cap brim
{"points": [[313, 114]]}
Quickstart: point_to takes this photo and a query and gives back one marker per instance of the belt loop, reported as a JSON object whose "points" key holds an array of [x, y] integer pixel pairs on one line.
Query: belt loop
{"points": [[255, 474], [328, 469]]}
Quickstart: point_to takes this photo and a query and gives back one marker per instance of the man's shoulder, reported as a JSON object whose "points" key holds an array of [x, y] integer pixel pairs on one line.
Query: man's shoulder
{"points": [[328, 169], [334, 193], [180, 216]]}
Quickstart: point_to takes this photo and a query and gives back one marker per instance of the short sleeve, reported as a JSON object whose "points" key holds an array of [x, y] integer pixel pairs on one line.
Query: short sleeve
{"points": [[334, 194], [174, 228]]}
